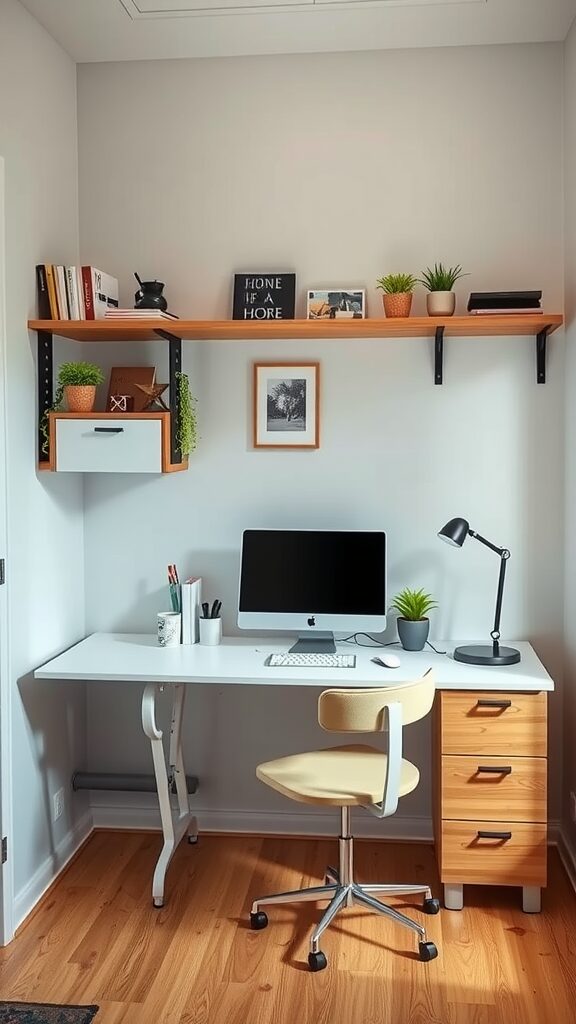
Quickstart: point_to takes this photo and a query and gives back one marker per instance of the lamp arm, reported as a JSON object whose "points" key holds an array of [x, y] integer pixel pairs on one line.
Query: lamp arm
{"points": [[505, 555], [487, 543]]}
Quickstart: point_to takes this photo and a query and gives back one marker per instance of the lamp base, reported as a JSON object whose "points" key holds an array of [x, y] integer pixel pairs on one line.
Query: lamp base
{"points": [[484, 654]]}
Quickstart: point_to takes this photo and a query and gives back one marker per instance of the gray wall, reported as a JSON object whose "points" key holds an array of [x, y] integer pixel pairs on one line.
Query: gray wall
{"points": [[45, 558], [570, 550], [337, 166]]}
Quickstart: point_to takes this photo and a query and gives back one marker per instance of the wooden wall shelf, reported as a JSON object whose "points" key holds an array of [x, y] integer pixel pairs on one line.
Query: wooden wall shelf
{"points": [[249, 330]]}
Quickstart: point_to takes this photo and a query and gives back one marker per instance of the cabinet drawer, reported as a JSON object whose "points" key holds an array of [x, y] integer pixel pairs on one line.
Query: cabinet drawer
{"points": [[500, 788], [519, 858], [97, 445], [493, 723]]}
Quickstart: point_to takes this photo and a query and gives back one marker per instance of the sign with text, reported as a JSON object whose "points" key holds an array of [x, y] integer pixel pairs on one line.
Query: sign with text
{"points": [[264, 296]]}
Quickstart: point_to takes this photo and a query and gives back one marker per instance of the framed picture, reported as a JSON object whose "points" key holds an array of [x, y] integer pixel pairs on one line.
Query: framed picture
{"points": [[286, 403], [342, 303]]}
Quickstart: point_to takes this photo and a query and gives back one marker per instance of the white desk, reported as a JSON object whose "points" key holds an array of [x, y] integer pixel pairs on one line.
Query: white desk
{"points": [[137, 658]]}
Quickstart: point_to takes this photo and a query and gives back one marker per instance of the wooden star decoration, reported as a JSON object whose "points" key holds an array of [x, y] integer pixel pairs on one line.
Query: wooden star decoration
{"points": [[153, 393]]}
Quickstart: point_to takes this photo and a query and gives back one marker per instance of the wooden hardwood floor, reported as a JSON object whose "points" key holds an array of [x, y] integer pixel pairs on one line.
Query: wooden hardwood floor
{"points": [[97, 939]]}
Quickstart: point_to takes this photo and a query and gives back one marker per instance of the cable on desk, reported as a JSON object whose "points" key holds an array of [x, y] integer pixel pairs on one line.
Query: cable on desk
{"points": [[375, 643]]}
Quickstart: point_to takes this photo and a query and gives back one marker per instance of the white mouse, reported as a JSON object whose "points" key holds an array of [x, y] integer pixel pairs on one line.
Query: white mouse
{"points": [[387, 660]]}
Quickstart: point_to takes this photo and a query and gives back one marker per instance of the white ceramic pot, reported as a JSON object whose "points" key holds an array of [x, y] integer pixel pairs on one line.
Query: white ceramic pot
{"points": [[441, 303]]}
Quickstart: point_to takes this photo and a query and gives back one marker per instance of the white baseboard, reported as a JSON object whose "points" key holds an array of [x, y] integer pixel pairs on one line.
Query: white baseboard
{"points": [[28, 897], [322, 823]]}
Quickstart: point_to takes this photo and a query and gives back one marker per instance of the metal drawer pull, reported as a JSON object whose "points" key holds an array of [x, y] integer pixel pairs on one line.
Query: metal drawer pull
{"points": [[494, 703], [493, 769], [494, 835], [108, 430]]}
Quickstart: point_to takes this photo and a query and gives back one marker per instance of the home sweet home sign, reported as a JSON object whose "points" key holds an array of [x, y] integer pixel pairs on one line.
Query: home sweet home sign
{"points": [[264, 296]]}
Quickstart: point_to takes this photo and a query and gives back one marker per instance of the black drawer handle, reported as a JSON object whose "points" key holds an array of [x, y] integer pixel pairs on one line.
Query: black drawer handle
{"points": [[495, 835], [493, 769], [108, 430], [494, 703]]}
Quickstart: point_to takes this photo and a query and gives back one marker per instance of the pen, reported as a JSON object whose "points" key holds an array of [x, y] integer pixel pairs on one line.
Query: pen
{"points": [[205, 609], [216, 609]]}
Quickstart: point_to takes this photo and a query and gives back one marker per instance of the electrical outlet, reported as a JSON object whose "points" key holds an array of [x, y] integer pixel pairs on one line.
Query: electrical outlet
{"points": [[58, 804], [573, 807]]}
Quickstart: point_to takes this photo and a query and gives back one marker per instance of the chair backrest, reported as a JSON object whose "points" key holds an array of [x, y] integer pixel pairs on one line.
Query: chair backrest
{"points": [[387, 708], [364, 710]]}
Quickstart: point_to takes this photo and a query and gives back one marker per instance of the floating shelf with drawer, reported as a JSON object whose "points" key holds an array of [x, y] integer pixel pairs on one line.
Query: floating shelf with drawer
{"points": [[104, 443], [491, 800]]}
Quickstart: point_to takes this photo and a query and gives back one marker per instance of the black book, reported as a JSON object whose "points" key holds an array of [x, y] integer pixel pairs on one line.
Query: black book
{"points": [[504, 300], [44, 312]]}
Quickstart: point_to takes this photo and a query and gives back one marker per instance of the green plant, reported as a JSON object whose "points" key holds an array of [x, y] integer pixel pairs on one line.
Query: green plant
{"points": [[188, 427], [440, 278], [74, 374], [394, 284], [68, 374], [413, 604]]}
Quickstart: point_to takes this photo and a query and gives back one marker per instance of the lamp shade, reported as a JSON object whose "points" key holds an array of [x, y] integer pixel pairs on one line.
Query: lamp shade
{"points": [[455, 532]]}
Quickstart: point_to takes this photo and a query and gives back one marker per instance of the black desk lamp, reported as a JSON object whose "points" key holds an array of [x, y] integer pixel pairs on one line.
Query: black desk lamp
{"points": [[455, 533]]}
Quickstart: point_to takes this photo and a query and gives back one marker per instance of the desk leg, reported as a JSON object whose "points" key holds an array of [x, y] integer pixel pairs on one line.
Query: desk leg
{"points": [[453, 897], [172, 830]]}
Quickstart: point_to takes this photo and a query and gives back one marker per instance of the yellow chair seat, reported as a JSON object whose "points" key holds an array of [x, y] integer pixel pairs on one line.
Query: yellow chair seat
{"points": [[341, 776]]}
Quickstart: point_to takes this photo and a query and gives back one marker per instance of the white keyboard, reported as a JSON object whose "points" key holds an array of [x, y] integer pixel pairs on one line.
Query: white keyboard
{"points": [[312, 660]]}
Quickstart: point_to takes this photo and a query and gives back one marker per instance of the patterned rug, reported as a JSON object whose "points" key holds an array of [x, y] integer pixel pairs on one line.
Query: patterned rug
{"points": [[45, 1013]]}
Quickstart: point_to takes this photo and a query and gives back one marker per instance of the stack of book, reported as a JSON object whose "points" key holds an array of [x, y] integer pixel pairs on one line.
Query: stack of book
{"points": [[139, 314], [503, 303], [74, 293]]}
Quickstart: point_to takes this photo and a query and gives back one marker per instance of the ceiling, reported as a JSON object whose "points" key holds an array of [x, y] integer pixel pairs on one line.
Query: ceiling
{"points": [[111, 30]]}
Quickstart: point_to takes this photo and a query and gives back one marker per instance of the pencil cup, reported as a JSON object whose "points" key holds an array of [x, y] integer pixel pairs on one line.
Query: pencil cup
{"points": [[210, 632], [169, 628]]}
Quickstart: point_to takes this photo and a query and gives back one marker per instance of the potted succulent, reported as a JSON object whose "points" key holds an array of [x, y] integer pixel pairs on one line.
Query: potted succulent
{"points": [[397, 295], [413, 622], [77, 382], [440, 280]]}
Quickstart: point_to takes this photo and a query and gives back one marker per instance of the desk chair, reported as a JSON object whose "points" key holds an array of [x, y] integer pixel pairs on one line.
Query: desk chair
{"points": [[353, 776]]}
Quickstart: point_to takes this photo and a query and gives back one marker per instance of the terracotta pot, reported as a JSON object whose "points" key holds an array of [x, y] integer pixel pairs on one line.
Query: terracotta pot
{"points": [[80, 397], [397, 304], [441, 303]]}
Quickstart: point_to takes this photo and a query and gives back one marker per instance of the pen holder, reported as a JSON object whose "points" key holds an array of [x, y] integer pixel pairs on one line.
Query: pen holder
{"points": [[210, 631], [169, 629]]}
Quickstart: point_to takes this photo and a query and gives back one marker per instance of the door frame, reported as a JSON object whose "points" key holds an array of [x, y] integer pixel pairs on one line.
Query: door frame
{"points": [[7, 869]]}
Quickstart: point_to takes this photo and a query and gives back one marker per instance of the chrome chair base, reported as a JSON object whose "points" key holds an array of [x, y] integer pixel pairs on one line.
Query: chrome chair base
{"points": [[342, 891]]}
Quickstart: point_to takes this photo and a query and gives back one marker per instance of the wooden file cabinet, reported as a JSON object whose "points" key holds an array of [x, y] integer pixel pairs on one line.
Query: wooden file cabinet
{"points": [[490, 813]]}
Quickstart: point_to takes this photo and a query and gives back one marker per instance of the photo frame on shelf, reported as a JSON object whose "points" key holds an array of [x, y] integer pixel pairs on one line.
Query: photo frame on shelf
{"points": [[336, 304], [286, 405], [264, 296]]}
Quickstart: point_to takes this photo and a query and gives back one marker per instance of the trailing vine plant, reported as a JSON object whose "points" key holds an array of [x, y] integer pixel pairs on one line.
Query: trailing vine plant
{"points": [[45, 421], [188, 426]]}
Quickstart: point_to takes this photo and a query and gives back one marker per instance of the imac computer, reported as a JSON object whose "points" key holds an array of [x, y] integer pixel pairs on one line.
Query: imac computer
{"points": [[314, 582]]}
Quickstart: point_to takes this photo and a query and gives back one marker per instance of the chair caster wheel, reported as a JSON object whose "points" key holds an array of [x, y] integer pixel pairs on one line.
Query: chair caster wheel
{"points": [[427, 951], [192, 840], [258, 921], [317, 961], [157, 904], [431, 906]]}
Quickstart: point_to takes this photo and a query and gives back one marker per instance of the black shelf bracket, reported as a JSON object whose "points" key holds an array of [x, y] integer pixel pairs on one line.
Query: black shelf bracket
{"points": [[541, 339], [45, 387], [439, 355], [175, 367]]}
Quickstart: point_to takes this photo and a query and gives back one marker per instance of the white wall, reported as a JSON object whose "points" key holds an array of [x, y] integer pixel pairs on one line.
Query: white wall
{"points": [[38, 141], [342, 167], [570, 541]]}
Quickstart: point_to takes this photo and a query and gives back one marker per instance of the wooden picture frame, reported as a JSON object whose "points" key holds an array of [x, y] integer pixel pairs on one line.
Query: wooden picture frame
{"points": [[286, 405]]}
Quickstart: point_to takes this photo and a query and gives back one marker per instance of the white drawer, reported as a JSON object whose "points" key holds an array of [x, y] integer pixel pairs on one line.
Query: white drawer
{"points": [[120, 445]]}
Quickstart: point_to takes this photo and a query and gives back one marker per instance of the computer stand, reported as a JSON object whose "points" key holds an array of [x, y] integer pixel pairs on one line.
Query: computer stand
{"points": [[314, 643]]}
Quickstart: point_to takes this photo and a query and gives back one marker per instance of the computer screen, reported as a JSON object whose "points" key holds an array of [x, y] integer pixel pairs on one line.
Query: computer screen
{"points": [[313, 580]]}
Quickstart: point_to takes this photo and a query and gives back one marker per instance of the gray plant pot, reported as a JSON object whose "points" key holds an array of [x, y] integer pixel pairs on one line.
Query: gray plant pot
{"points": [[413, 633]]}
